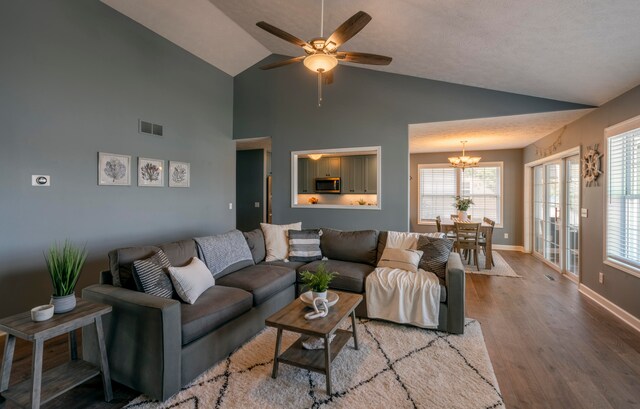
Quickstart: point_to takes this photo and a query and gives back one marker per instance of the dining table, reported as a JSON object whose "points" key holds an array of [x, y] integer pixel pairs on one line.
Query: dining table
{"points": [[485, 228]]}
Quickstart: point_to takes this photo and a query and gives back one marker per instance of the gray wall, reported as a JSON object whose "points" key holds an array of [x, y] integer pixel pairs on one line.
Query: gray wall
{"points": [[361, 108], [619, 287], [74, 79], [250, 188], [513, 174]]}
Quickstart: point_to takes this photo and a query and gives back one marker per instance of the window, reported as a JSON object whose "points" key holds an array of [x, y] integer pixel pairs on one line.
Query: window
{"points": [[622, 205], [439, 184]]}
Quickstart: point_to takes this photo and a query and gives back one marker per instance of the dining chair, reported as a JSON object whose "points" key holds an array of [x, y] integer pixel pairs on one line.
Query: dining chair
{"points": [[450, 234], [468, 238], [487, 238]]}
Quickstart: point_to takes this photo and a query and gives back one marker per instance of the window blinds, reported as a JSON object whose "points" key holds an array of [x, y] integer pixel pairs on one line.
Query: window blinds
{"points": [[482, 184], [437, 192], [623, 198], [439, 184]]}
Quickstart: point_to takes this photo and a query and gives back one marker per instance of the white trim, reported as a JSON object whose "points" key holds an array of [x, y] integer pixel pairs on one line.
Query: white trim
{"points": [[507, 247], [294, 178], [625, 316]]}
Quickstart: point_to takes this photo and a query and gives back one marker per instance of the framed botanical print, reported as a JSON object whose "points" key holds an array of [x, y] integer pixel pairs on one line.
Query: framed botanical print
{"points": [[179, 174], [150, 172], [113, 169]]}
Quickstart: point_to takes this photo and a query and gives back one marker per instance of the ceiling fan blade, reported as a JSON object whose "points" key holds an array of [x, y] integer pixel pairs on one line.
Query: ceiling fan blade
{"points": [[283, 35], [348, 29], [282, 63], [363, 58]]}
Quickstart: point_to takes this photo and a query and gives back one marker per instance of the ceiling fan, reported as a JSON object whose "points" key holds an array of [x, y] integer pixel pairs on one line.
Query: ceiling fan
{"points": [[322, 53]]}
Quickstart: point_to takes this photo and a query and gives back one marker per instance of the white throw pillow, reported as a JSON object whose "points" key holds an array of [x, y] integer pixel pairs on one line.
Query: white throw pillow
{"points": [[191, 280], [276, 240], [402, 240], [399, 258]]}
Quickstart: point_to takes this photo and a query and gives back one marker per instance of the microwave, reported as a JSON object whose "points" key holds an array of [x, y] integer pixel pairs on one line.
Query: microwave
{"points": [[327, 185]]}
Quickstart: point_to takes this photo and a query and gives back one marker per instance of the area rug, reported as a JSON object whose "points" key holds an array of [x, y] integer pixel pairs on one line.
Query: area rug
{"points": [[502, 268], [395, 367]]}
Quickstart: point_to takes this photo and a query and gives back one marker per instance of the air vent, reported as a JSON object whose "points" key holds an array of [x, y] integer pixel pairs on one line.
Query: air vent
{"points": [[550, 277], [149, 128]]}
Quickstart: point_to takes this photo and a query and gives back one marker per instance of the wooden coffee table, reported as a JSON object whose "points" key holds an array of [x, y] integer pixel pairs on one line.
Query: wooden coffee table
{"points": [[43, 387], [291, 318]]}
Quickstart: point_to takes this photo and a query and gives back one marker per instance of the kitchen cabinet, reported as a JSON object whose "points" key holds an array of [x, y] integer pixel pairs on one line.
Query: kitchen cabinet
{"points": [[306, 175], [359, 174], [370, 174], [328, 167]]}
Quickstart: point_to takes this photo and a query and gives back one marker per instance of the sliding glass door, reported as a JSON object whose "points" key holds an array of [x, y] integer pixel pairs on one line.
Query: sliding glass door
{"points": [[556, 213]]}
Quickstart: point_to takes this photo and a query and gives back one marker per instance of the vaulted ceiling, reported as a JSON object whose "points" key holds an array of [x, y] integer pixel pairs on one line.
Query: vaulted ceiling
{"points": [[583, 51]]}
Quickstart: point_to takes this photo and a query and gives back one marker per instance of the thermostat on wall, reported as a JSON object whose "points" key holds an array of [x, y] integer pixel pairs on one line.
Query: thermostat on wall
{"points": [[40, 180]]}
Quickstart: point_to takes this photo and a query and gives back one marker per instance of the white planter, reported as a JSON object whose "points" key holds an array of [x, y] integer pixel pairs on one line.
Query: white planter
{"points": [[322, 295], [462, 215], [63, 303]]}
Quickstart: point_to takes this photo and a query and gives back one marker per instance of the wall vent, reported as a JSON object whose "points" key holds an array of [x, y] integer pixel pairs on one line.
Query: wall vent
{"points": [[149, 128]]}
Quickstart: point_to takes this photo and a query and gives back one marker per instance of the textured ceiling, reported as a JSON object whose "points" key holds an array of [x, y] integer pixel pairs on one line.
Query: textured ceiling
{"points": [[505, 132], [198, 27], [583, 51]]}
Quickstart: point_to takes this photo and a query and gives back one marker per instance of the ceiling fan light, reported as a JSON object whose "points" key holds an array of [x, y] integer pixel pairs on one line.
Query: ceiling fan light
{"points": [[315, 156], [320, 62]]}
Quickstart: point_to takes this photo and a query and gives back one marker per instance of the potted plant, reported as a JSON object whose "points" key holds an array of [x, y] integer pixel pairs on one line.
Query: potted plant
{"points": [[64, 265], [318, 282], [462, 205]]}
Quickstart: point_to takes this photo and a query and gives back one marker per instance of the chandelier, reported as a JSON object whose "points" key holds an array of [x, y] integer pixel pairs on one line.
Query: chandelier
{"points": [[464, 161]]}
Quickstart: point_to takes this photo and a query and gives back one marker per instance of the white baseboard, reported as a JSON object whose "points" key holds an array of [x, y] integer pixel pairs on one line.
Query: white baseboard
{"points": [[507, 247], [634, 322]]}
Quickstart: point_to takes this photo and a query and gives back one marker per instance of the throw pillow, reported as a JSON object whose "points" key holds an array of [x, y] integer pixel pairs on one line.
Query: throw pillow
{"points": [[224, 253], [400, 258], [255, 240], [191, 280], [150, 276], [275, 238], [435, 255], [304, 245]]}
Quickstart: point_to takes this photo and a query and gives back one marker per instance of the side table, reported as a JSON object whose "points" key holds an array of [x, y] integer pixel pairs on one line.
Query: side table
{"points": [[42, 387]]}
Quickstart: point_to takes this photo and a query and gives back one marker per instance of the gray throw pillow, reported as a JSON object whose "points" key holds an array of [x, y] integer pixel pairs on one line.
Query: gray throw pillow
{"points": [[435, 254], [304, 245], [255, 240], [151, 277], [224, 253]]}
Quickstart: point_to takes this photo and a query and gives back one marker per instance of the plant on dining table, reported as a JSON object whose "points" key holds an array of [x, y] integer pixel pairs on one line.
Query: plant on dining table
{"points": [[462, 204]]}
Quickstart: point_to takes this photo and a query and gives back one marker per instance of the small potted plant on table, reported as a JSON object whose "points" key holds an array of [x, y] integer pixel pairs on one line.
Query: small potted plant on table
{"points": [[318, 282], [64, 265], [462, 205]]}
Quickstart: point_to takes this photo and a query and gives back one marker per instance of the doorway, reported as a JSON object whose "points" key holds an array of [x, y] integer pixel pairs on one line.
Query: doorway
{"points": [[556, 213], [253, 183]]}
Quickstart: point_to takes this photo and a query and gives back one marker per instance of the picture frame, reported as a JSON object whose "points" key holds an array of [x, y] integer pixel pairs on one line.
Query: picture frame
{"points": [[150, 172], [114, 169], [179, 174]]}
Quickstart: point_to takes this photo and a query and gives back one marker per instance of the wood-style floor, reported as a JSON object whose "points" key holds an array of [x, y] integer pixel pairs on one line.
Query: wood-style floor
{"points": [[550, 346]]}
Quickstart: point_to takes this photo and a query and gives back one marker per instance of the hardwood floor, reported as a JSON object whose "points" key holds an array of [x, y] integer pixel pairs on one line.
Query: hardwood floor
{"points": [[550, 346]]}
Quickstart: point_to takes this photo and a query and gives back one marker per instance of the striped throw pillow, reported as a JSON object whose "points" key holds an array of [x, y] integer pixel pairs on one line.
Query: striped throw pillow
{"points": [[304, 245], [150, 275], [400, 258], [435, 255]]}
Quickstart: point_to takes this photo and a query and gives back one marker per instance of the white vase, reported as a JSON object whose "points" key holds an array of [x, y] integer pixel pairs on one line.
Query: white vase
{"points": [[64, 303], [462, 215], [322, 295]]}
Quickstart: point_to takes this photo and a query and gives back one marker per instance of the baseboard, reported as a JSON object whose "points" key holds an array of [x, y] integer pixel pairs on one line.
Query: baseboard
{"points": [[507, 247], [611, 307]]}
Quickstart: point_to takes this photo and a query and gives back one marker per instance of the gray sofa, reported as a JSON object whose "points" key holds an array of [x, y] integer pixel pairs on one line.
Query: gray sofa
{"points": [[157, 345]]}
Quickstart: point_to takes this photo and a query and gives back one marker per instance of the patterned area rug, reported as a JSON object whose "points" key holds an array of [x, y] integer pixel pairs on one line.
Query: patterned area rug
{"points": [[502, 268], [395, 367]]}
